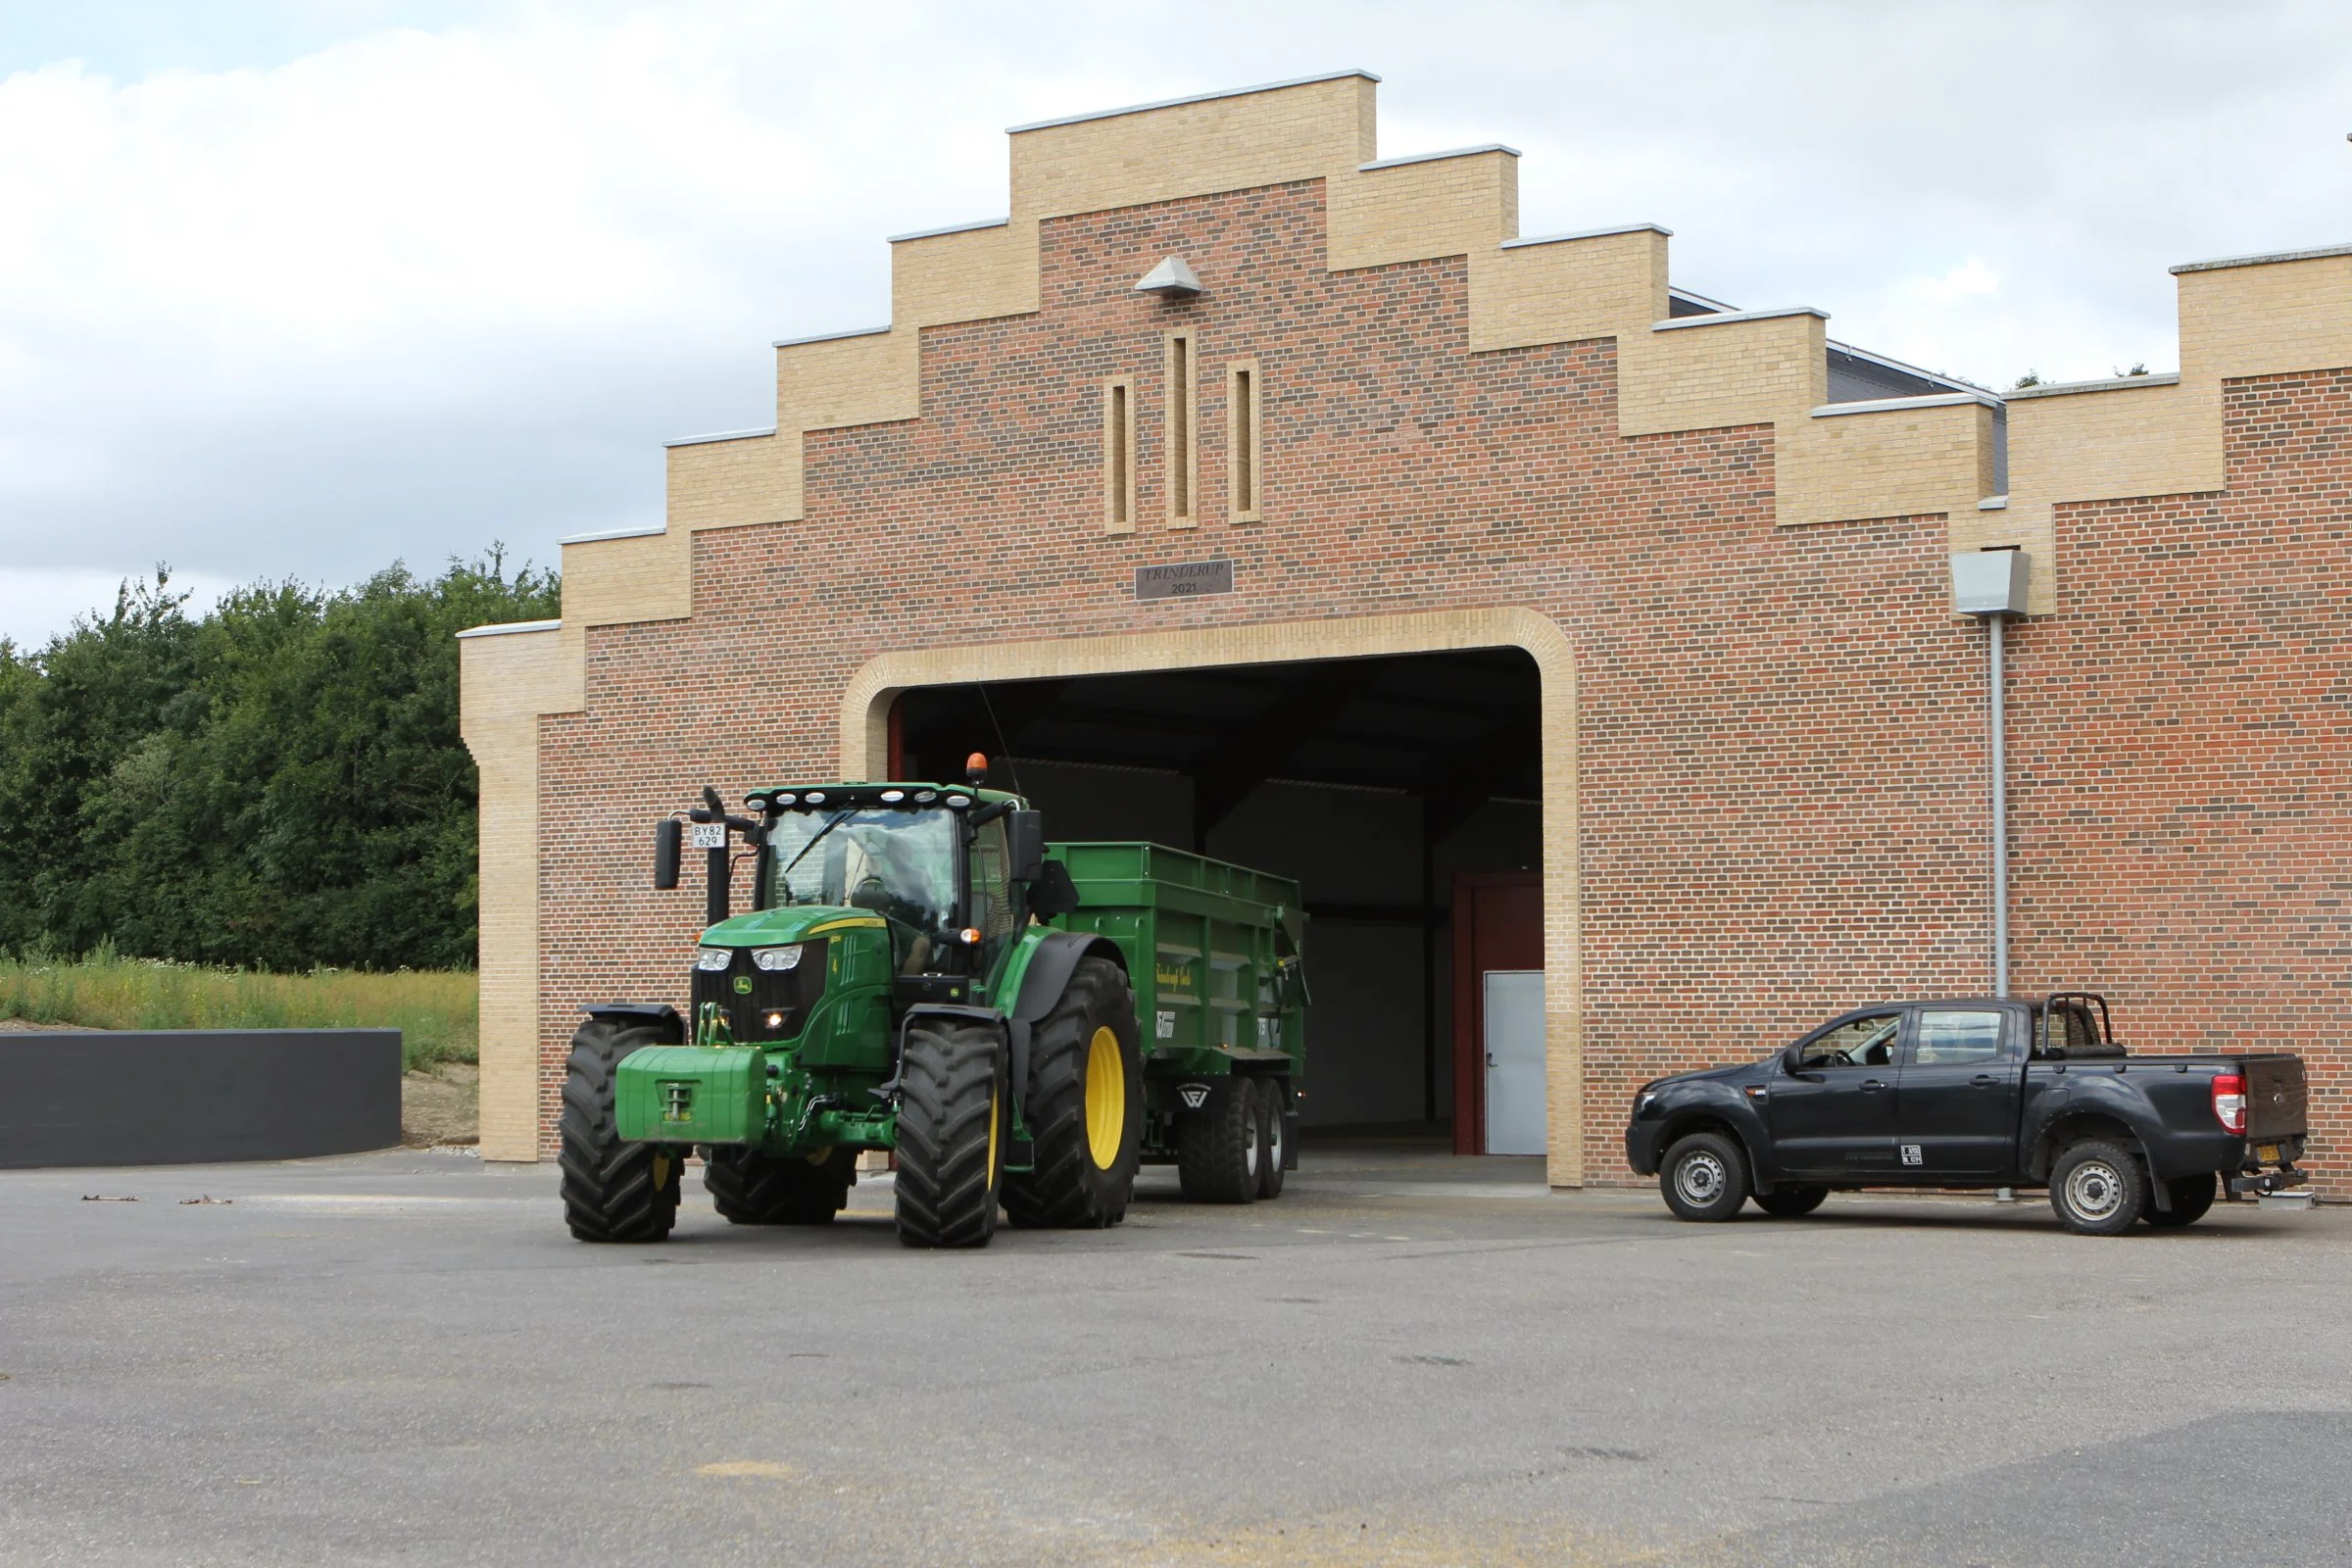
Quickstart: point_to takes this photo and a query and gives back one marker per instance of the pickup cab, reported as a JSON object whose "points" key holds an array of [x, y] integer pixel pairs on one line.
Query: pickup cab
{"points": [[1976, 1092]]}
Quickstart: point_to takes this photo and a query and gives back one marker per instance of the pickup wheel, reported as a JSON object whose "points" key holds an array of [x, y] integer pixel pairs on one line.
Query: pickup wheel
{"points": [[1792, 1202], [1704, 1177], [2191, 1196], [2098, 1188], [1217, 1146]]}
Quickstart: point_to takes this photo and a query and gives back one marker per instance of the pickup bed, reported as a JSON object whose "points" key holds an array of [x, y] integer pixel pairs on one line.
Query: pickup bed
{"points": [[1976, 1092]]}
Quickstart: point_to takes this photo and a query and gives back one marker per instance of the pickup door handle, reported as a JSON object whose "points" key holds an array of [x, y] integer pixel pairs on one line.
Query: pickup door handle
{"points": [[1985, 1080], [1871, 1086]]}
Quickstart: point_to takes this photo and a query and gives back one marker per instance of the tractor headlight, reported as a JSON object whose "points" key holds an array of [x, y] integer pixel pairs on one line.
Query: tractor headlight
{"points": [[775, 960], [714, 960]]}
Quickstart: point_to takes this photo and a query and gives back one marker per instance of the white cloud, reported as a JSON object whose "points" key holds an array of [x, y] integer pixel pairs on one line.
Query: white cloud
{"points": [[413, 289]]}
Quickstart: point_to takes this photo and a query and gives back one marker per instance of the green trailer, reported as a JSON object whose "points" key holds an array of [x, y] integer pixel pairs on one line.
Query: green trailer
{"points": [[1213, 951], [1020, 1024]]}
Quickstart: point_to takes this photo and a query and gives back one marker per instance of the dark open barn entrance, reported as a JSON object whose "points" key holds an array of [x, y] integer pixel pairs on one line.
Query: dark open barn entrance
{"points": [[1372, 781]]}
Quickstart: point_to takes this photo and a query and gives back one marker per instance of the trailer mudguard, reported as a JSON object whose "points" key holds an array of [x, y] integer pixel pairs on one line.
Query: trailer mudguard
{"points": [[1051, 963], [661, 1014]]}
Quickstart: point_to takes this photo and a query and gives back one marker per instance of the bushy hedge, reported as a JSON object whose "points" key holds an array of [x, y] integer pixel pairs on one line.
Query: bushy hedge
{"points": [[277, 785]]}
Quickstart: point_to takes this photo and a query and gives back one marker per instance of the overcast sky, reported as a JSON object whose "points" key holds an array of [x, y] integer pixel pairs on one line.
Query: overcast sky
{"points": [[299, 288]]}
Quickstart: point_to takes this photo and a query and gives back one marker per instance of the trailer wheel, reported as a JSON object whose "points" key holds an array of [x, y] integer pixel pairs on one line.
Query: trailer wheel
{"points": [[748, 1188], [2098, 1188], [612, 1190], [1792, 1202], [1217, 1146], [1084, 1107], [1704, 1176], [2191, 1196], [951, 1133], [1270, 1137]]}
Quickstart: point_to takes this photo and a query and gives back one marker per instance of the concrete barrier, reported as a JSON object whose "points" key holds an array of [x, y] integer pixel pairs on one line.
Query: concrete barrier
{"points": [[178, 1097]]}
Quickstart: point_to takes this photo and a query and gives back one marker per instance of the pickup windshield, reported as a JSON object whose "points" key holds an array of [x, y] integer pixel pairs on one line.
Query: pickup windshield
{"points": [[898, 862]]}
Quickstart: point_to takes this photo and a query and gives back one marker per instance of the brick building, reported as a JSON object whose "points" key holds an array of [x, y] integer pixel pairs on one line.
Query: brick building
{"points": [[1562, 621]]}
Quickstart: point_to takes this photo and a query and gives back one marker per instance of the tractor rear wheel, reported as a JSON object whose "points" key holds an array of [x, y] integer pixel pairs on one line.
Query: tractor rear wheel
{"points": [[1084, 1107], [612, 1190], [951, 1133], [750, 1188], [1216, 1146]]}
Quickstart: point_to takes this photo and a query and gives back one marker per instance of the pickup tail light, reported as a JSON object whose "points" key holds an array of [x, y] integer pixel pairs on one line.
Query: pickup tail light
{"points": [[2230, 1101]]}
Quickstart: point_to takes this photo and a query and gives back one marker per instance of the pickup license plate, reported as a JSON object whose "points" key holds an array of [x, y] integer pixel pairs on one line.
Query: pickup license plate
{"points": [[2265, 1153], [707, 835]]}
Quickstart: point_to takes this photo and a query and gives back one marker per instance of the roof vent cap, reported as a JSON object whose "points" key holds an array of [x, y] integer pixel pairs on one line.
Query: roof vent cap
{"points": [[1172, 279]]}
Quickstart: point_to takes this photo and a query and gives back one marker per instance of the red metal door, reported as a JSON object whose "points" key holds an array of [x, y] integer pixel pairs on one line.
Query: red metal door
{"points": [[1497, 924]]}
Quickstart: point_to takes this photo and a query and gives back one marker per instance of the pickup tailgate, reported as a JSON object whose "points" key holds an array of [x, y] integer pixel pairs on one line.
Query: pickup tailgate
{"points": [[2277, 1099]]}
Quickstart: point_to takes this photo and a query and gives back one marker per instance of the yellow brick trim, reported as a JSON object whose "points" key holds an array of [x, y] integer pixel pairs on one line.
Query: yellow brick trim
{"points": [[504, 683], [1569, 291], [1245, 441], [1459, 206], [1180, 427], [866, 754], [1119, 456]]}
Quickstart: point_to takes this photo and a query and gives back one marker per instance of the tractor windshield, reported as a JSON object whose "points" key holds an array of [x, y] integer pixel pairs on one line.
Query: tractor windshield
{"points": [[898, 862]]}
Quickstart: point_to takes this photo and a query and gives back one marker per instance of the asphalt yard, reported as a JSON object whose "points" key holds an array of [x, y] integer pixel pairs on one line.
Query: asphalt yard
{"points": [[1409, 1358]]}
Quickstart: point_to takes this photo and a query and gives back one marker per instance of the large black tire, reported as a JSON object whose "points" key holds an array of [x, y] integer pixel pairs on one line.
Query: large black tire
{"points": [[612, 1190], [1704, 1177], [1792, 1202], [1273, 1134], [2191, 1196], [2098, 1188], [750, 1188], [1084, 1107], [1216, 1146], [951, 1133]]}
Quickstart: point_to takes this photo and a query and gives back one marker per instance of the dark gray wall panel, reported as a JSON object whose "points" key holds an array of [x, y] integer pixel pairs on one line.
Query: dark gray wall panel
{"points": [[196, 1096]]}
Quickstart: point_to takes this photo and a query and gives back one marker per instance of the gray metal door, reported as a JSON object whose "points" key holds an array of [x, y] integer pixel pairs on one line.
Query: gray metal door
{"points": [[1515, 1105]]}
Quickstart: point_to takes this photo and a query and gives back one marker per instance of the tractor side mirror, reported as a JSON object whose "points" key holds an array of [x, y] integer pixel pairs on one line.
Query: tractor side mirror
{"points": [[1025, 841], [669, 834], [1053, 894]]}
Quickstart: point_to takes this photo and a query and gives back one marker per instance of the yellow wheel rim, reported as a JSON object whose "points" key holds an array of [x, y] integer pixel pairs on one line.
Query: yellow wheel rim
{"points": [[1105, 1099], [996, 1120]]}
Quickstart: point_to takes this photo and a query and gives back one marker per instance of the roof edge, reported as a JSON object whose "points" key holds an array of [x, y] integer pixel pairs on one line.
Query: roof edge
{"points": [[1675, 323], [510, 628], [2113, 384], [1591, 233], [2316, 253], [1432, 158], [722, 435]]}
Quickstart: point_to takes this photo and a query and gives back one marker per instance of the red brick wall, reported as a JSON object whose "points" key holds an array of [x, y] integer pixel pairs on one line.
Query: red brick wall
{"points": [[1783, 731]]}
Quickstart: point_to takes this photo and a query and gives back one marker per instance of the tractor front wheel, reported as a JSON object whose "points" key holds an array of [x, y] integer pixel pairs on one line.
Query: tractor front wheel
{"points": [[750, 1188], [1084, 1107], [951, 1133], [612, 1190]]}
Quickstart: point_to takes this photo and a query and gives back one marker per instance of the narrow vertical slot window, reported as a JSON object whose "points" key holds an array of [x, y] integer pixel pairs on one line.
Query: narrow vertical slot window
{"points": [[1244, 403], [1119, 457], [1182, 455]]}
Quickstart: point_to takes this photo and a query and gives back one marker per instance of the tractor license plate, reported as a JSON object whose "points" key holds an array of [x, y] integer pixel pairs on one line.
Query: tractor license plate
{"points": [[2268, 1153], [708, 835]]}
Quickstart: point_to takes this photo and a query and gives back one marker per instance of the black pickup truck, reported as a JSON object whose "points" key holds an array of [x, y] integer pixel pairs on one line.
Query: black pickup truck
{"points": [[1976, 1092]]}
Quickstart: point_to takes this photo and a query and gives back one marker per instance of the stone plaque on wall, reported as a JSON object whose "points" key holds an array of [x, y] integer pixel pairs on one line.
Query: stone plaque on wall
{"points": [[1185, 581]]}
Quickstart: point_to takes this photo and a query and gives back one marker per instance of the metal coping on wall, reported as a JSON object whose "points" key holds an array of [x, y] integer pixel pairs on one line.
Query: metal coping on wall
{"points": [[827, 337], [1940, 377], [509, 628], [723, 435], [1598, 233], [2319, 253], [1928, 399], [2113, 384], [1431, 157], [1677, 322], [935, 233], [600, 536], [1194, 98]]}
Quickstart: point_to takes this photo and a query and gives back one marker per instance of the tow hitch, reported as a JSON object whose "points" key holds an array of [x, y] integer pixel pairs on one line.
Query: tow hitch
{"points": [[2262, 1183]]}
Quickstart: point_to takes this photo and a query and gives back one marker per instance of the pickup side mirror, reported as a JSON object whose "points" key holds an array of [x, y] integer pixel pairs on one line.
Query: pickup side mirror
{"points": [[1025, 844], [668, 835]]}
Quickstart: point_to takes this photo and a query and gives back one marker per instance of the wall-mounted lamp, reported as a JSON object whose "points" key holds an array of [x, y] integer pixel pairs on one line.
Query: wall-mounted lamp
{"points": [[1991, 585]]}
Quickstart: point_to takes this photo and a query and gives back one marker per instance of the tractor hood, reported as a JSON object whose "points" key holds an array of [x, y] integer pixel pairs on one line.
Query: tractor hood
{"points": [[798, 922]]}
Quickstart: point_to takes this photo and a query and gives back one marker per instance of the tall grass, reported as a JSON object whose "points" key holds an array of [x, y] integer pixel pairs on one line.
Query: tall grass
{"points": [[434, 1010]]}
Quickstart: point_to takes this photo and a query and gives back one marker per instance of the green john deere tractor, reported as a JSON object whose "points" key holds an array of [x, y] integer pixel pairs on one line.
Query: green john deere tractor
{"points": [[921, 972]]}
